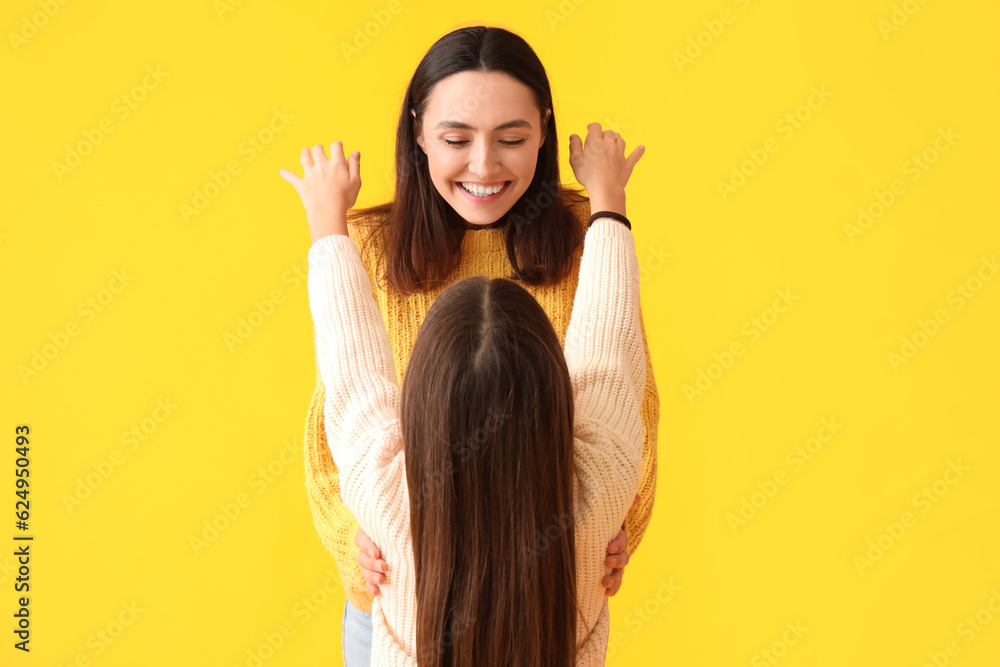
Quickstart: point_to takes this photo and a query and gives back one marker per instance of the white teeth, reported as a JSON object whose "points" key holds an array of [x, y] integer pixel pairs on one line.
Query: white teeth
{"points": [[480, 191]]}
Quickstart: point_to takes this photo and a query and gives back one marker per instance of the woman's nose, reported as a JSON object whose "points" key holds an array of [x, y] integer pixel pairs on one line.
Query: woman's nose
{"points": [[483, 160]]}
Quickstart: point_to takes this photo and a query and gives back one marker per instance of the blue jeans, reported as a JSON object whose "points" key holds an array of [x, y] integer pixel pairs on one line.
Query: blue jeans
{"points": [[356, 637]]}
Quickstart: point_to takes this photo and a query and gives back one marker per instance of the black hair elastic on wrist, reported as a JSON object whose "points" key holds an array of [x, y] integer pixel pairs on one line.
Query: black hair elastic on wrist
{"points": [[609, 214]]}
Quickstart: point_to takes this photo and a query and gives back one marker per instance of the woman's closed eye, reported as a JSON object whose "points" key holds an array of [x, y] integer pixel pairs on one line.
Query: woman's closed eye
{"points": [[505, 143]]}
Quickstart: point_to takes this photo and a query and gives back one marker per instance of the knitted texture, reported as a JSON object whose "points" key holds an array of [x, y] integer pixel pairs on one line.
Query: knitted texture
{"points": [[483, 253], [607, 368]]}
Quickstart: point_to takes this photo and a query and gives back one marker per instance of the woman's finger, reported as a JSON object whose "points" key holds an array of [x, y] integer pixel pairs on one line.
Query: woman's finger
{"points": [[618, 560], [612, 582], [372, 577], [364, 543], [618, 544], [375, 564], [366, 561]]}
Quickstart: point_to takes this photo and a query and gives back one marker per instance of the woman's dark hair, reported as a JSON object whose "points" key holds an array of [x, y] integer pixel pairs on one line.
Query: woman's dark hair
{"points": [[418, 235], [487, 423]]}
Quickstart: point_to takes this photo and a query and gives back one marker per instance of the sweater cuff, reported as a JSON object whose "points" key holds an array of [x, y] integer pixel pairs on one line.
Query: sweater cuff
{"points": [[609, 226], [327, 246]]}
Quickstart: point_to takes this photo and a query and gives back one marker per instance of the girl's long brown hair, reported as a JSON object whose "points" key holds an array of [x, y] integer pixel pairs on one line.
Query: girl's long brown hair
{"points": [[418, 235], [487, 423]]}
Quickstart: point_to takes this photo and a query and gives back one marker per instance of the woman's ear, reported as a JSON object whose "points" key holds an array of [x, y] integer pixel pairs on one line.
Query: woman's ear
{"points": [[416, 131]]}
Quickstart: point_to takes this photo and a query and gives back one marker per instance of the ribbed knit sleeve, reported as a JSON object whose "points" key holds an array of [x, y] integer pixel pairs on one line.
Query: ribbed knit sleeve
{"points": [[361, 411], [606, 359], [604, 343], [334, 522], [355, 361]]}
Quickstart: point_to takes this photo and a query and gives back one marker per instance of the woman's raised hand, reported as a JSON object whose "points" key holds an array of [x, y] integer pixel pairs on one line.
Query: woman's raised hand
{"points": [[601, 165], [328, 189]]}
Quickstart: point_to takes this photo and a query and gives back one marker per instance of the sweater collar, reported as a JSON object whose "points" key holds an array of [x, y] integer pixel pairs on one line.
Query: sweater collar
{"points": [[485, 240]]}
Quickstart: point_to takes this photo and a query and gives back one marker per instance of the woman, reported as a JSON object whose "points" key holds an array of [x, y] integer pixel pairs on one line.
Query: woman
{"points": [[432, 235]]}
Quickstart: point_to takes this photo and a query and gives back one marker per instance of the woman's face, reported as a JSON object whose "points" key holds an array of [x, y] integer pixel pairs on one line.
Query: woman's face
{"points": [[481, 129]]}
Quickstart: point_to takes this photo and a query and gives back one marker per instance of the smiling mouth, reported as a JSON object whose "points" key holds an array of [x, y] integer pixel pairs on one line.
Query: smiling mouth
{"points": [[503, 189]]}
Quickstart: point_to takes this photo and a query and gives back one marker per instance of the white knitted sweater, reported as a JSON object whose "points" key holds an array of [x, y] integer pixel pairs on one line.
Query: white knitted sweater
{"points": [[607, 366]]}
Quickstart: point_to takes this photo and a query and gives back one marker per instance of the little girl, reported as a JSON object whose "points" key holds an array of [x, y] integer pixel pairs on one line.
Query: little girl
{"points": [[460, 516]]}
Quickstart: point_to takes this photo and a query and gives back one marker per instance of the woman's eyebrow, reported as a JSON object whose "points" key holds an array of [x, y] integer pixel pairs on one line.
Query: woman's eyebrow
{"points": [[458, 125]]}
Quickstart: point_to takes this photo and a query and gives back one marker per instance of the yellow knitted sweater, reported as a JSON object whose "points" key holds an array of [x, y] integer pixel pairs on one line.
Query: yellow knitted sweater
{"points": [[483, 253]]}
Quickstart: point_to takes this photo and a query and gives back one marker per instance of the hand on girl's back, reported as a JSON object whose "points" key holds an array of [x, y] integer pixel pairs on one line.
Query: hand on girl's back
{"points": [[370, 560], [373, 568]]}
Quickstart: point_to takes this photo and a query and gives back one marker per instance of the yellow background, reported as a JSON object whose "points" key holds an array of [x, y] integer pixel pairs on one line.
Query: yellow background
{"points": [[697, 592]]}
